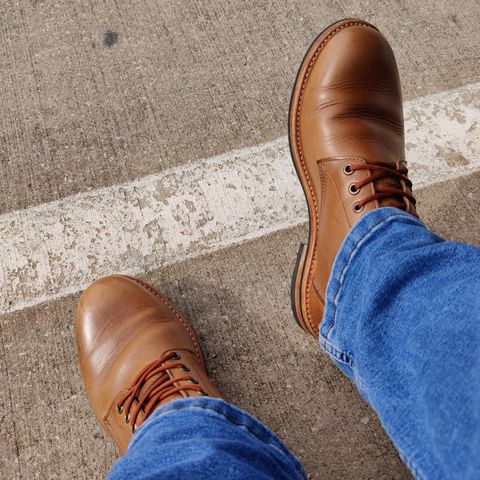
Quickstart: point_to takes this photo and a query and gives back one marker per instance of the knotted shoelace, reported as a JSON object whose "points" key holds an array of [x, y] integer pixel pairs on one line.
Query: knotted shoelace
{"points": [[381, 171], [161, 387]]}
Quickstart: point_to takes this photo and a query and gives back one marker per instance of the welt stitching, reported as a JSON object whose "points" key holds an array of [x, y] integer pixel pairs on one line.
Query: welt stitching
{"points": [[174, 311], [300, 152]]}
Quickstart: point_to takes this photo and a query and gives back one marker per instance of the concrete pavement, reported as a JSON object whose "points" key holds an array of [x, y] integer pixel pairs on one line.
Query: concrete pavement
{"points": [[99, 93]]}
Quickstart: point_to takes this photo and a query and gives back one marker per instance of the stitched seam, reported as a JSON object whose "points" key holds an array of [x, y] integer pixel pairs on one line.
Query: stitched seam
{"points": [[324, 175], [332, 181], [106, 420], [343, 159], [177, 314], [323, 183], [110, 429], [410, 465], [231, 420], [319, 294], [362, 383], [342, 357], [300, 152], [353, 251], [345, 358]]}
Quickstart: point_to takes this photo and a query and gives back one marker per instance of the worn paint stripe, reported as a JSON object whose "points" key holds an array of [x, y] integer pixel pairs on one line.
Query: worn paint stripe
{"points": [[55, 249]]}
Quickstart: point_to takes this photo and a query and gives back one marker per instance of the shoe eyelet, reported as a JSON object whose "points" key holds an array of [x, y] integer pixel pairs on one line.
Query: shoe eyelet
{"points": [[127, 418], [185, 368], [176, 356], [347, 169], [134, 428], [120, 409], [195, 382], [357, 208], [352, 188], [204, 393]]}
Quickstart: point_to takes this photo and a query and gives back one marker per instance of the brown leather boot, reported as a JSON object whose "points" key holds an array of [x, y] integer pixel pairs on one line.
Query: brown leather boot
{"points": [[347, 144], [136, 353]]}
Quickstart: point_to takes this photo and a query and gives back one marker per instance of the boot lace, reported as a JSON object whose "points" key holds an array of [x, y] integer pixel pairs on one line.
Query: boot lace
{"points": [[161, 387], [382, 191]]}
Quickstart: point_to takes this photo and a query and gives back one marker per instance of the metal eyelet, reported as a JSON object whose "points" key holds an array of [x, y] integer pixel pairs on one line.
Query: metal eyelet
{"points": [[352, 188], [195, 382], [120, 409], [347, 169], [185, 369], [176, 356], [204, 393], [127, 418], [357, 208], [134, 428]]}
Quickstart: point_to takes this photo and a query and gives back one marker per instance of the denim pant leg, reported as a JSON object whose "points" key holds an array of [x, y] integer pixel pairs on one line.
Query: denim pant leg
{"points": [[402, 320], [205, 438]]}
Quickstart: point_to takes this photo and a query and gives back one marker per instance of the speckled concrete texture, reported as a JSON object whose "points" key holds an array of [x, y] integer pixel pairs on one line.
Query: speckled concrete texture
{"points": [[58, 248], [238, 302], [101, 92]]}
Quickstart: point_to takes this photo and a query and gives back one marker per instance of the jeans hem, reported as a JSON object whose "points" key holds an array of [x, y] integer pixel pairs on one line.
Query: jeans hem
{"points": [[340, 355], [224, 409], [356, 239], [352, 243]]}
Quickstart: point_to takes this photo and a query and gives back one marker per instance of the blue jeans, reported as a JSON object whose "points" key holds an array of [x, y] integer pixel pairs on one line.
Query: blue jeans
{"points": [[402, 321], [205, 438]]}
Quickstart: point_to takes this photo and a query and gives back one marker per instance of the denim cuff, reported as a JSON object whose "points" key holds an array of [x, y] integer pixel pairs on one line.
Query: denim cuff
{"points": [[219, 408], [352, 244]]}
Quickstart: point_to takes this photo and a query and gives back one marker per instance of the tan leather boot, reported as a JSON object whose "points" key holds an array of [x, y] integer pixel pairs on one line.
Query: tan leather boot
{"points": [[136, 353], [347, 144]]}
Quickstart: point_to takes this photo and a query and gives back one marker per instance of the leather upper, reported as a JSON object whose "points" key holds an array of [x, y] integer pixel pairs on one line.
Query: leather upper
{"points": [[347, 110], [122, 326], [352, 104]]}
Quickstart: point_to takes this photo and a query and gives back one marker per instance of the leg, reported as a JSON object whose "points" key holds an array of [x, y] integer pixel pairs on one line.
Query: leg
{"points": [[145, 375], [205, 438], [402, 320], [400, 306]]}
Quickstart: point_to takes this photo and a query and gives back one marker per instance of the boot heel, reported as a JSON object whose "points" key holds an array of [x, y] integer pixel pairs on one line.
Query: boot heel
{"points": [[296, 285]]}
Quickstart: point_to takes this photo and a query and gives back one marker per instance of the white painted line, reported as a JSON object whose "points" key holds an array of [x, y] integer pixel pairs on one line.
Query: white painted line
{"points": [[58, 248]]}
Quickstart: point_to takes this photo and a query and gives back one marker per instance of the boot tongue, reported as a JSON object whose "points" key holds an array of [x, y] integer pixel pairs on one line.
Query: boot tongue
{"points": [[154, 384], [385, 184], [170, 398], [395, 201]]}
